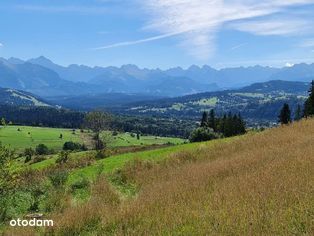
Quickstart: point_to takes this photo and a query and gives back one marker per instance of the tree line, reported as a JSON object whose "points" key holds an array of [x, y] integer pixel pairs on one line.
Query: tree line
{"points": [[285, 116], [212, 127], [64, 118]]}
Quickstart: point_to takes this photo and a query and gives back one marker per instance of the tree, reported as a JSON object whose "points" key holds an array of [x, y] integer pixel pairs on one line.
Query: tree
{"points": [[3, 122], [98, 121], [309, 103], [63, 157], [229, 126], [203, 134], [241, 127], [298, 113], [42, 149], [285, 115], [204, 121], [72, 146], [212, 120], [138, 136], [221, 124], [28, 153]]}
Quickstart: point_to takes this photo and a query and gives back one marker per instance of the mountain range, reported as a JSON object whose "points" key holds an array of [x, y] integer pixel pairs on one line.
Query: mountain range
{"points": [[258, 103], [43, 77]]}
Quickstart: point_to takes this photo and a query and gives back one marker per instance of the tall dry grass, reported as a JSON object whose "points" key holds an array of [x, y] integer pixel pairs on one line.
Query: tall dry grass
{"points": [[260, 184]]}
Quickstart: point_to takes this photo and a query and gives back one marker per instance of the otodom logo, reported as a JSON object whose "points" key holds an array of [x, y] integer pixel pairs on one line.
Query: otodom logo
{"points": [[31, 223]]}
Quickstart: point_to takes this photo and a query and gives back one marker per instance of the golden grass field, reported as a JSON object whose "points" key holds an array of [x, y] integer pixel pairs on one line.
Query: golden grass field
{"points": [[259, 184]]}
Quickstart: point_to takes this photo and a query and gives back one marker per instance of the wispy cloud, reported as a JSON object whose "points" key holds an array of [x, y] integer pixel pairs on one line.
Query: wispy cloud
{"points": [[238, 46], [197, 22], [273, 26], [1, 44], [128, 43]]}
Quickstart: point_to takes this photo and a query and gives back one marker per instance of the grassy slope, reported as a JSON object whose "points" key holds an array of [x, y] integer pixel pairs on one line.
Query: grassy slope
{"points": [[110, 164], [118, 161], [258, 184]]}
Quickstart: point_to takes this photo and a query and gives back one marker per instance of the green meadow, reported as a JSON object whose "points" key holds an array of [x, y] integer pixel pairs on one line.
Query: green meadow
{"points": [[21, 137], [129, 139]]}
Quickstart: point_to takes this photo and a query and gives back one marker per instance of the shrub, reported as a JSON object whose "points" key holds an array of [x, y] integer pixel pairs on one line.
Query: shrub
{"points": [[115, 133], [100, 155], [63, 157], [28, 153], [38, 159], [8, 180], [58, 178], [81, 183], [42, 149], [55, 201], [203, 134], [84, 147], [72, 146]]}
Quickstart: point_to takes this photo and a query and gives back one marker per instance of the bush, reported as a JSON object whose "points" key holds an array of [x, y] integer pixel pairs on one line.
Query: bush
{"points": [[115, 133], [42, 149], [55, 201], [58, 178], [103, 154], [63, 157], [203, 134], [28, 153], [84, 147], [8, 180], [81, 183], [38, 159], [72, 146]]}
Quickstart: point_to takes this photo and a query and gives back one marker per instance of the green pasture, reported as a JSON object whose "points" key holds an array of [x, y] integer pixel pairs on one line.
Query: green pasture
{"points": [[129, 139], [20, 137]]}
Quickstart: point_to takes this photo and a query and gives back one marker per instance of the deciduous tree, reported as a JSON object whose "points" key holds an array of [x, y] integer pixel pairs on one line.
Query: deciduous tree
{"points": [[98, 121]]}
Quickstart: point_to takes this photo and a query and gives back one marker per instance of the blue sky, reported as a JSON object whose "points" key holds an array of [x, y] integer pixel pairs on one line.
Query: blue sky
{"points": [[159, 33]]}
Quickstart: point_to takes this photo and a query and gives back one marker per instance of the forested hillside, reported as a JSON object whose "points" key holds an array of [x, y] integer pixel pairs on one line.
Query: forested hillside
{"points": [[258, 103]]}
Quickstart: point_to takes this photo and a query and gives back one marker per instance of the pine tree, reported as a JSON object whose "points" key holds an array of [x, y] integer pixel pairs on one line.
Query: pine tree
{"points": [[212, 120], [228, 127], [204, 121], [298, 113], [309, 103], [242, 129], [285, 115]]}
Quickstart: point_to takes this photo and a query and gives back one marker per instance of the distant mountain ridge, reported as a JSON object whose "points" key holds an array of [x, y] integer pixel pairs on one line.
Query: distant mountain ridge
{"points": [[226, 77], [43, 77]]}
